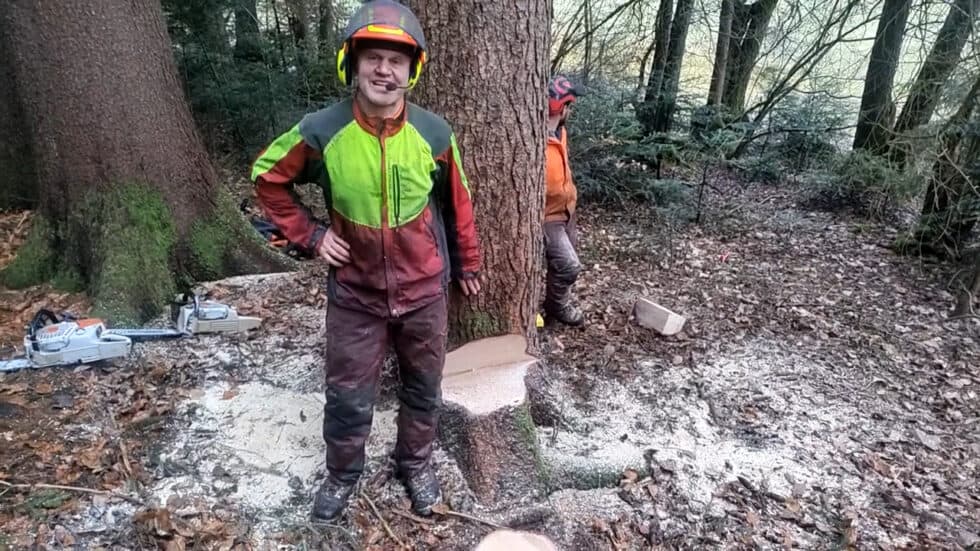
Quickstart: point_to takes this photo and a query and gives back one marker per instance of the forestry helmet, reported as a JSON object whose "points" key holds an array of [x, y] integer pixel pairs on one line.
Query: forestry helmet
{"points": [[560, 92], [382, 21]]}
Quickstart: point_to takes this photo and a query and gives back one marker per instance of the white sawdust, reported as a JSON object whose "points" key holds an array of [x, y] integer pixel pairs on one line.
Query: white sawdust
{"points": [[660, 421], [267, 439]]}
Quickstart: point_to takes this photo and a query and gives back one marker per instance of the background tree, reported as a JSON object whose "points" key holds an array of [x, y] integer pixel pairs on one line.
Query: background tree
{"points": [[877, 109], [942, 59], [749, 25], [129, 201], [488, 77], [720, 67], [17, 174]]}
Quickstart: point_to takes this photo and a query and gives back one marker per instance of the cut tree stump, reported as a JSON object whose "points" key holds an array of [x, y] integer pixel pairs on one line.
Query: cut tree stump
{"points": [[486, 424], [651, 315]]}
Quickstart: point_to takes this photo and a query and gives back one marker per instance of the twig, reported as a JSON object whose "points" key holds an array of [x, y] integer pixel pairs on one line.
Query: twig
{"points": [[415, 518], [21, 223], [448, 512], [384, 522], [130, 499], [125, 457]]}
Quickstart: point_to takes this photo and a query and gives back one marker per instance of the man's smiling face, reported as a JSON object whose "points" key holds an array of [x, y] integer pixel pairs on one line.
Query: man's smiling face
{"points": [[379, 67]]}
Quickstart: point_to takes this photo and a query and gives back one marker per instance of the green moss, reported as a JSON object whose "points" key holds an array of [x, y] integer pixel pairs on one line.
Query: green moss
{"points": [[478, 325], [132, 278], [529, 434], [212, 240], [68, 280], [35, 259]]}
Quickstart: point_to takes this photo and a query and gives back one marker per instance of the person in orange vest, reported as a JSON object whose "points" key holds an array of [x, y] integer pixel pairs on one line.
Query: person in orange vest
{"points": [[559, 210]]}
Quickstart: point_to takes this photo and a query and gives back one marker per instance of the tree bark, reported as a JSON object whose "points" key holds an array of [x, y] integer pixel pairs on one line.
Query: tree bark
{"points": [[298, 21], [248, 45], [667, 100], [749, 26], [18, 178], [125, 185], [942, 59], [721, 53], [661, 42], [488, 77], [327, 44], [877, 109]]}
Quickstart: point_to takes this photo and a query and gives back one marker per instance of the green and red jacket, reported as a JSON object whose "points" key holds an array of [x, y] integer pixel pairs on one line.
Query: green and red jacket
{"points": [[396, 192]]}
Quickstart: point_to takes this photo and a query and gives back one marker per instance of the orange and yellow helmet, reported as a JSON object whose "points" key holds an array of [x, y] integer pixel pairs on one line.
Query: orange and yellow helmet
{"points": [[382, 21]]}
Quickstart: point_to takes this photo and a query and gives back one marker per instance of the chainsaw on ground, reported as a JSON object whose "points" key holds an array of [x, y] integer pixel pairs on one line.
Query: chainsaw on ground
{"points": [[68, 340]]}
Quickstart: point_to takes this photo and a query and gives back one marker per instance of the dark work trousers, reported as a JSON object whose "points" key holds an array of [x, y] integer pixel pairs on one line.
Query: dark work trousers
{"points": [[563, 263], [356, 345]]}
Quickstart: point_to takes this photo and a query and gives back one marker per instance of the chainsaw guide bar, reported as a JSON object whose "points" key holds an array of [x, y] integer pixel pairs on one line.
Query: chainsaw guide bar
{"points": [[52, 341]]}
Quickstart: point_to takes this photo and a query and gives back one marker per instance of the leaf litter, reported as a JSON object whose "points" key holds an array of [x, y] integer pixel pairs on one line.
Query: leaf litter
{"points": [[816, 398]]}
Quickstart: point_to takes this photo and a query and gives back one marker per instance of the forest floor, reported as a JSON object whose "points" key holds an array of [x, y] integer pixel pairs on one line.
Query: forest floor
{"points": [[818, 398]]}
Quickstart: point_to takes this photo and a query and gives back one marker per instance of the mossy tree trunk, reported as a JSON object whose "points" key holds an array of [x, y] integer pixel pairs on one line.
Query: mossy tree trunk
{"points": [[130, 204], [488, 77], [951, 207]]}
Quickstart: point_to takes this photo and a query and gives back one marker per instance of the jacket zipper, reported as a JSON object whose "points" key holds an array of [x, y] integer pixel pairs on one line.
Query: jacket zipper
{"points": [[384, 216]]}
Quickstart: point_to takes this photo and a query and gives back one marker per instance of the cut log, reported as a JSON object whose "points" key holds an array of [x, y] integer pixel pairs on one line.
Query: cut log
{"points": [[485, 422], [654, 316]]}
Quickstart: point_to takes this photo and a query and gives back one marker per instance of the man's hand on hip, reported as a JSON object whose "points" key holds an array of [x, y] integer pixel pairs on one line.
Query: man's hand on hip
{"points": [[470, 286], [333, 249]]}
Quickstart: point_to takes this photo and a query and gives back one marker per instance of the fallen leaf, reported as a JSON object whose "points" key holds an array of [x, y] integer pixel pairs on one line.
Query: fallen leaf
{"points": [[176, 544], [930, 441], [43, 388], [752, 518], [229, 394], [792, 506]]}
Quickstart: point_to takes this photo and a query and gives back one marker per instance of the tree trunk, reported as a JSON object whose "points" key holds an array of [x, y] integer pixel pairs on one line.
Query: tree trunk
{"points": [[130, 203], [942, 59], [298, 21], [505, 166], [721, 53], [18, 179], [248, 43], [667, 100], [952, 201], [661, 42], [326, 38], [488, 77], [587, 64], [877, 109], [749, 26]]}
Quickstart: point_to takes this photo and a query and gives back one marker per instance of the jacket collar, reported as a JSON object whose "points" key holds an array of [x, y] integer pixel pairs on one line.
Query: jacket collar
{"points": [[380, 126]]}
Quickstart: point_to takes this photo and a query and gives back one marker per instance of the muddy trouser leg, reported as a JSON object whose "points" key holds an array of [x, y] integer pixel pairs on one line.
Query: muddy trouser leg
{"points": [[420, 343], [563, 264], [356, 344]]}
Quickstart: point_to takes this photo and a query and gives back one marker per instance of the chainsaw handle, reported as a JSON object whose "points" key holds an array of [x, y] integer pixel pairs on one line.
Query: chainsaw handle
{"points": [[37, 323]]}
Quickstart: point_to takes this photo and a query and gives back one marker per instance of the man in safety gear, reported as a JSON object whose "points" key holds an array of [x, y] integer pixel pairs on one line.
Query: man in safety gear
{"points": [[560, 200], [400, 228]]}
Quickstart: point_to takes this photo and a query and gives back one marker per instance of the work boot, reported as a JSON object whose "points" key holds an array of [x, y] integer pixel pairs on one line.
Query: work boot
{"points": [[423, 488], [566, 314], [331, 499]]}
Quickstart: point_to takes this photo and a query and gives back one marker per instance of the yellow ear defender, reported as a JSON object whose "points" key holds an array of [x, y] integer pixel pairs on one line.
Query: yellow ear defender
{"points": [[344, 65]]}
